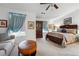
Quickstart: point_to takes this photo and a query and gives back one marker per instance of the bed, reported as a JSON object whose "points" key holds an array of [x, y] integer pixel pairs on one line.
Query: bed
{"points": [[63, 38]]}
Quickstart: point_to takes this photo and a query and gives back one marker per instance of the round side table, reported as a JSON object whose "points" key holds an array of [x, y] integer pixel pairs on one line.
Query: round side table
{"points": [[27, 48]]}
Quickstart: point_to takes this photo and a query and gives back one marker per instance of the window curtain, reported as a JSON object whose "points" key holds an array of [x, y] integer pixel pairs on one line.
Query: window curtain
{"points": [[45, 26], [16, 21]]}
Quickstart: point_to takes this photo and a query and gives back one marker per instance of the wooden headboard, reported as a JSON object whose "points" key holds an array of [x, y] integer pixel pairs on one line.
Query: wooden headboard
{"points": [[70, 27]]}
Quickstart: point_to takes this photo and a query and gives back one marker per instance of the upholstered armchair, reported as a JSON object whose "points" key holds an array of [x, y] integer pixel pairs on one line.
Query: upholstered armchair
{"points": [[6, 44]]}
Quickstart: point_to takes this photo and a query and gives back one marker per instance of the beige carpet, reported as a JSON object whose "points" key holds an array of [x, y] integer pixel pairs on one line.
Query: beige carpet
{"points": [[48, 48]]}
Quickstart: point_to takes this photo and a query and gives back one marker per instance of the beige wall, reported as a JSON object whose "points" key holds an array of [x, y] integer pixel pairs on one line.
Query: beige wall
{"points": [[74, 15], [31, 33], [4, 9]]}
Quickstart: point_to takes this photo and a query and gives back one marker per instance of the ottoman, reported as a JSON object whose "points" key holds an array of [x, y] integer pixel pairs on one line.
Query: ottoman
{"points": [[27, 48]]}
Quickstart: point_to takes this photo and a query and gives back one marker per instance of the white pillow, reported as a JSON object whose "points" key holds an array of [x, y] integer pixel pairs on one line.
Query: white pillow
{"points": [[72, 31]]}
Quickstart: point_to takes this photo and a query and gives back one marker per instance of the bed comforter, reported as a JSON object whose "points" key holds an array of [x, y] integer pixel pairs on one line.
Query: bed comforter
{"points": [[63, 38]]}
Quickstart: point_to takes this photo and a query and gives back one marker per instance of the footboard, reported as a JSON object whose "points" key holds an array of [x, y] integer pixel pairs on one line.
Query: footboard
{"points": [[55, 39]]}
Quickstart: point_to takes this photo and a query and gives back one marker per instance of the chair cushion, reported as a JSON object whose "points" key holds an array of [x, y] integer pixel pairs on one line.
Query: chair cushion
{"points": [[7, 46]]}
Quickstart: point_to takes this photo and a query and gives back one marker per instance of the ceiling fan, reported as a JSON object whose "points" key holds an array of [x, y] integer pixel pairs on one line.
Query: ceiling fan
{"points": [[49, 5]]}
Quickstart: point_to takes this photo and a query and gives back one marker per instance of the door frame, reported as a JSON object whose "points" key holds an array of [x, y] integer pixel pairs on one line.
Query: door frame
{"points": [[41, 29]]}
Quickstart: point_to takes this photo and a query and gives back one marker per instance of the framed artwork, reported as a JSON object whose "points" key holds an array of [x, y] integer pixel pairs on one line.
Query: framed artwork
{"points": [[68, 21], [3, 23], [30, 24], [50, 26]]}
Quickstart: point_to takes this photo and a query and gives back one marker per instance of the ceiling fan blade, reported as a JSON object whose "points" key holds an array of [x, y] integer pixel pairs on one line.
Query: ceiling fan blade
{"points": [[47, 7], [56, 6], [44, 3]]}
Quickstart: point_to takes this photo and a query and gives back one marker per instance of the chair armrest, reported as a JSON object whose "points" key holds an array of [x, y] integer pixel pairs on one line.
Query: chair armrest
{"points": [[3, 49]]}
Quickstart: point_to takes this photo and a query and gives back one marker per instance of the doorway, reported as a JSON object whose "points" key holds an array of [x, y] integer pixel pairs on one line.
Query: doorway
{"points": [[39, 29]]}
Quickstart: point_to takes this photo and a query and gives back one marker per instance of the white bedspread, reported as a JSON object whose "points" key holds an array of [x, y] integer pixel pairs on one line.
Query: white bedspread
{"points": [[69, 37]]}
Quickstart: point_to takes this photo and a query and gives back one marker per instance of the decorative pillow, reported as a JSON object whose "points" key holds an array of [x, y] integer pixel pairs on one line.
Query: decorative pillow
{"points": [[63, 30], [72, 31], [59, 30], [4, 37]]}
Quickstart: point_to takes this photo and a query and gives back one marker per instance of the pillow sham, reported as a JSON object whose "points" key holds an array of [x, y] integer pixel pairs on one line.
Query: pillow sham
{"points": [[72, 31], [59, 30], [63, 30]]}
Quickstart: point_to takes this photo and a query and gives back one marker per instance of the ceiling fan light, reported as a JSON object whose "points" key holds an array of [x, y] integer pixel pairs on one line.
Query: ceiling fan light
{"points": [[56, 6], [42, 12]]}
